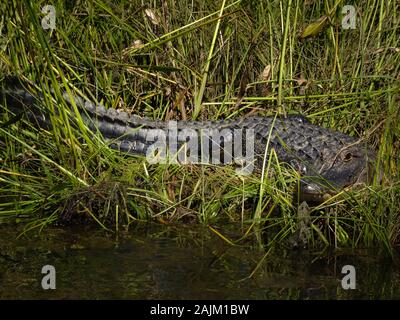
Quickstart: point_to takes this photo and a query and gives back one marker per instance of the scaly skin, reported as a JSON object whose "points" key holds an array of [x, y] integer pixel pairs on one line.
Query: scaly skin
{"points": [[327, 160]]}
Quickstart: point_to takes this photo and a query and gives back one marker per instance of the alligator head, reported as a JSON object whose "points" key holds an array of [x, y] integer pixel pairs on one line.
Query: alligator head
{"points": [[350, 167]]}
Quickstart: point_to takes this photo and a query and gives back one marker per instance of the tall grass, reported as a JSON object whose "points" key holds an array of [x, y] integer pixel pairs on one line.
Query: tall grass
{"points": [[207, 60]]}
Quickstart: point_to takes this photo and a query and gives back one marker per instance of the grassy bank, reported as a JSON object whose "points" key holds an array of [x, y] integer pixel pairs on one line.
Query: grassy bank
{"points": [[201, 60]]}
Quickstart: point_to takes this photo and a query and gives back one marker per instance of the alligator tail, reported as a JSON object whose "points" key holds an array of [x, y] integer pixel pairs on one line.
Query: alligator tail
{"points": [[124, 132]]}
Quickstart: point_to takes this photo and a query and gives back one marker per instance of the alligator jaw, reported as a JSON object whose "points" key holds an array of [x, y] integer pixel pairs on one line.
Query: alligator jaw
{"points": [[313, 192], [320, 190]]}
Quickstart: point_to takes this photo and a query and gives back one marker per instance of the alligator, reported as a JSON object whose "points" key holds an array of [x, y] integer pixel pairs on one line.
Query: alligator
{"points": [[327, 161]]}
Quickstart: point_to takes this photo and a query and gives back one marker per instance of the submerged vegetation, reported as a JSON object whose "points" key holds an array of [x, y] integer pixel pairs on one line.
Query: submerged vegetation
{"points": [[175, 59]]}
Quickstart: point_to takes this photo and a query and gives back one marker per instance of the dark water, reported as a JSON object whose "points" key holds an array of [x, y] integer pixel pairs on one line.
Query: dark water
{"points": [[180, 263]]}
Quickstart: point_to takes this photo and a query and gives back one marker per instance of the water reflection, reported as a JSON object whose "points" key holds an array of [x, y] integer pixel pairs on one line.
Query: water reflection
{"points": [[180, 263]]}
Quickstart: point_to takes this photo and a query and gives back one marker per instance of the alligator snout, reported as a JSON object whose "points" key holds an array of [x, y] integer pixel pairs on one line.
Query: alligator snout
{"points": [[353, 167]]}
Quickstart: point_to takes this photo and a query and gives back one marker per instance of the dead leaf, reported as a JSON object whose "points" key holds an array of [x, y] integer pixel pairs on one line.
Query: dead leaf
{"points": [[315, 27], [152, 16], [266, 74]]}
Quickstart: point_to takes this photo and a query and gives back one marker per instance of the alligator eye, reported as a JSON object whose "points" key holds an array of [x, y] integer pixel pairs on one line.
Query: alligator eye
{"points": [[347, 157]]}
